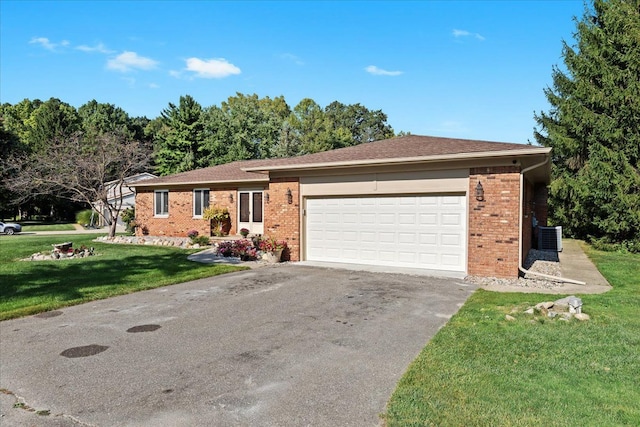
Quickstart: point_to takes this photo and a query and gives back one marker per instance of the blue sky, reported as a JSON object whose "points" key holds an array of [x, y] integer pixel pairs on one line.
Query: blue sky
{"points": [[464, 69]]}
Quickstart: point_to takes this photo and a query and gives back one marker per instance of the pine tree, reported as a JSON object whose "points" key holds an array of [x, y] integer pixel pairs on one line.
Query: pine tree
{"points": [[593, 126], [178, 137]]}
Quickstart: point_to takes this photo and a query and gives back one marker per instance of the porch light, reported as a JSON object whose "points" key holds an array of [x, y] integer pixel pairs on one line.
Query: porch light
{"points": [[266, 197], [289, 196], [230, 197], [479, 192]]}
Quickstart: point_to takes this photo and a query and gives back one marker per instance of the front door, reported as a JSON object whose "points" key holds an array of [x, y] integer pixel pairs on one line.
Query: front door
{"points": [[250, 210]]}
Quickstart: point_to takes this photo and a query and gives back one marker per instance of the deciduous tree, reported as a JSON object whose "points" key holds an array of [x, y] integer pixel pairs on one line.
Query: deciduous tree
{"points": [[79, 169]]}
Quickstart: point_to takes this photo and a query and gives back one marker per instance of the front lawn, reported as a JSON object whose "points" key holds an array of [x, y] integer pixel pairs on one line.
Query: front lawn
{"points": [[481, 370], [28, 287], [27, 228]]}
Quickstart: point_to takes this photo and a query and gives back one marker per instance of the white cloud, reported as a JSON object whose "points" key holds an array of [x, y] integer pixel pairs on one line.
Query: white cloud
{"points": [[291, 57], [465, 33], [100, 48], [128, 61], [216, 68], [153, 86], [44, 42], [372, 69], [174, 73]]}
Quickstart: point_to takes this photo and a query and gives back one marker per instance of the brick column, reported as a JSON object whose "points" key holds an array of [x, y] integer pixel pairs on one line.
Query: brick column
{"points": [[282, 220], [494, 222]]}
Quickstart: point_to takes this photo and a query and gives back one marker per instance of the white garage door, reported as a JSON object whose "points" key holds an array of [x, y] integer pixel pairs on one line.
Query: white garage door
{"points": [[409, 231]]}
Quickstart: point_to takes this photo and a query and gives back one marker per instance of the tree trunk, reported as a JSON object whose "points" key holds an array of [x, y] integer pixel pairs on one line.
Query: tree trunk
{"points": [[112, 228]]}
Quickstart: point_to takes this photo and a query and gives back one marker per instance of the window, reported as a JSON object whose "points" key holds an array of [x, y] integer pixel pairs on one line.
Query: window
{"points": [[161, 203], [200, 201]]}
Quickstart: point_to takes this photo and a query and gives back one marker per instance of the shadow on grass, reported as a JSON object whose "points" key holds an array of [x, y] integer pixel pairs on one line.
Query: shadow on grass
{"points": [[36, 286]]}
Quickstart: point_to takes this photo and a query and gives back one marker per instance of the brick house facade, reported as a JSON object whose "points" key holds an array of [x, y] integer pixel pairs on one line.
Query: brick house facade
{"points": [[495, 234]]}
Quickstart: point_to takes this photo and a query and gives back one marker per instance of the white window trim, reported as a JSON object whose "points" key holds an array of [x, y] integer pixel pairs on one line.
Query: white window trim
{"points": [[193, 201], [155, 195]]}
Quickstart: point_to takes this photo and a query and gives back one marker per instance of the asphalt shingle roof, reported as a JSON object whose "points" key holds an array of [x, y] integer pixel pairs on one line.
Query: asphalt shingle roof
{"points": [[412, 146]]}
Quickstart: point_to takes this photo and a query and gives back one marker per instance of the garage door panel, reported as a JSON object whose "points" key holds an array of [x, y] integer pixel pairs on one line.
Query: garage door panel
{"points": [[451, 219], [367, 236], [387, 219], [408, 231], [451, 240], [407, 219], [450, 260], [406, 238], [386, 237]]}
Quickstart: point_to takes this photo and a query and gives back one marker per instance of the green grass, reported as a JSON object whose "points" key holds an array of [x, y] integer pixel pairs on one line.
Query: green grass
{"points": [[31, 287], [480, 370], [47, 227]]}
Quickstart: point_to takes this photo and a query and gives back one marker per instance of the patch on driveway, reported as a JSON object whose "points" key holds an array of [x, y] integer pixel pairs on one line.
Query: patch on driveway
{"points": [[284, 345]]}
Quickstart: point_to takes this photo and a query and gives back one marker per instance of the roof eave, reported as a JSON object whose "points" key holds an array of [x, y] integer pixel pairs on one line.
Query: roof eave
{"points": [[404, 160], [205, 182]]}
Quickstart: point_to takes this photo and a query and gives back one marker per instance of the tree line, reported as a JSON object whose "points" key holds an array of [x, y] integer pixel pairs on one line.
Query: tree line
{"points": [[185, 136]]}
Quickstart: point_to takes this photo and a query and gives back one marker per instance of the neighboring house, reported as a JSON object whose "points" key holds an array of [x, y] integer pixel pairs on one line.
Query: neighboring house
{"points": [[457, 206], [128, 196]]}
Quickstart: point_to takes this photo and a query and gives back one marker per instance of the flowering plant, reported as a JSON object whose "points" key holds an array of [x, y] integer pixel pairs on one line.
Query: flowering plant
{"points": [[244, 249], [244, 232], [192, 233], [238, 248], [271, 245], [225, 248]]}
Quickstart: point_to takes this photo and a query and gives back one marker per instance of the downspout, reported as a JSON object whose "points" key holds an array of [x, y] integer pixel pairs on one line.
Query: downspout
{"points": [[520, 266]]}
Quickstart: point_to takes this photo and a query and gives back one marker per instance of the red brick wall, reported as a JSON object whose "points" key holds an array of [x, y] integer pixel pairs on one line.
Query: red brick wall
{"points": [[494, 222], [282, 220], [180, 220]]}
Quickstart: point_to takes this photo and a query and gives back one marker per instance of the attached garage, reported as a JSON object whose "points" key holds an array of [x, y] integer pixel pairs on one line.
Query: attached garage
{"points": [[415, 231], [458, 206]]}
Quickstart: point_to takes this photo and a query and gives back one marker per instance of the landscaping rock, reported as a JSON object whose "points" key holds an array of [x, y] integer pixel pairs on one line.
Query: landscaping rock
{"points": [[582, 316], [509, 318], [179, 242]]}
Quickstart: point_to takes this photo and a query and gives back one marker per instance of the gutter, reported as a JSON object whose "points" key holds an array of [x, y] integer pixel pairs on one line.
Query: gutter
{"points": [[520, 266]]}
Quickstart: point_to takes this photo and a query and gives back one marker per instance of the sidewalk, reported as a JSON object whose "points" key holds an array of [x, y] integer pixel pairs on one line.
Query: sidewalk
{"points": [[576, 265], [79, 230]]}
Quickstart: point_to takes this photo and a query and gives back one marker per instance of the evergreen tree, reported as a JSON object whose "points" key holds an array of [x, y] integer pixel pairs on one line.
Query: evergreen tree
{"points": [[53, 120], [593, 126], [178, 136]]}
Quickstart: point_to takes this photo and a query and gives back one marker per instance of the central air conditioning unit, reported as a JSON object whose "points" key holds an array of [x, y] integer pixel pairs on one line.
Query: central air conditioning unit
{"points": [[550, 238]]}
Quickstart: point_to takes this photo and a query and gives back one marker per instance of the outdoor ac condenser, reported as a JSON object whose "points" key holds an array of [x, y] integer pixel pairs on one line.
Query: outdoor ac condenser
{"points": [[550, 238]]}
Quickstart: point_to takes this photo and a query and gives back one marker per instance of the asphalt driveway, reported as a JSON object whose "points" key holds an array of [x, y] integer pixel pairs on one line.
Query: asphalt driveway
{"points": [[286, 345]]}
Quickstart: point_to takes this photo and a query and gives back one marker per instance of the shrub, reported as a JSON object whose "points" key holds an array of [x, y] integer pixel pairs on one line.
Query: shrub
{"points": [[84, 217], [605, 244], [128, 216], [200, 240], [271, 245], [244, 232], [192, 234], [219, 218]]}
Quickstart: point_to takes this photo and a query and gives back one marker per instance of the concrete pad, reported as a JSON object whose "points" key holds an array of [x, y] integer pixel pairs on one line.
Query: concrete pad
{"points": [[576, 265], [285, 345]]}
